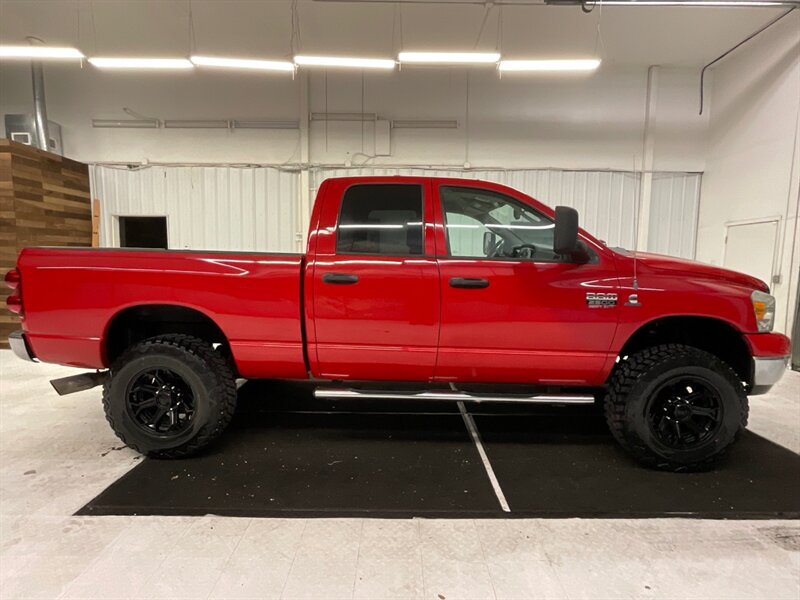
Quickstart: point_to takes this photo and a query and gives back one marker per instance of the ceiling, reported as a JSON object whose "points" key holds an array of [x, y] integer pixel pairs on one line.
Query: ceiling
{"points": [[682, 36]]}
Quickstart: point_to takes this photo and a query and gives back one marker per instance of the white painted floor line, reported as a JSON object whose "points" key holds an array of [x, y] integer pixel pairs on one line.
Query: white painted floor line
{"points": [[476, 437]]}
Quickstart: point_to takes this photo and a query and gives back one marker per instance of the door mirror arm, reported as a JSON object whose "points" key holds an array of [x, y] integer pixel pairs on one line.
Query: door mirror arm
{"points": [[581, 255]]}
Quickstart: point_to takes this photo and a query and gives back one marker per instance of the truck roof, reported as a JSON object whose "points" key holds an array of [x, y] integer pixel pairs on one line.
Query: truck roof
{"points": [[416, 178]]}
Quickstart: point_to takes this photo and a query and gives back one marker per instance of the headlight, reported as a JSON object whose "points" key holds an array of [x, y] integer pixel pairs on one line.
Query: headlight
{"points": [[764, 308]]}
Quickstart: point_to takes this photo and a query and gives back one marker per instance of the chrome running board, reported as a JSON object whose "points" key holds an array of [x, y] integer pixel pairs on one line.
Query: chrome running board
{"points": [[333, 393]]}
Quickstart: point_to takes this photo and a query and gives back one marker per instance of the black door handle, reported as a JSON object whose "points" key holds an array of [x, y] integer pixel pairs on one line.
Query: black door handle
{"points": [[469, 282], [340, 278]]}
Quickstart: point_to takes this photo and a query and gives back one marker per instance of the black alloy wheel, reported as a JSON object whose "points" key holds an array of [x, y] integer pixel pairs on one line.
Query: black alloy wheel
{"points": [[170, 396], [160, 401], [675, 407], [685, 412]]}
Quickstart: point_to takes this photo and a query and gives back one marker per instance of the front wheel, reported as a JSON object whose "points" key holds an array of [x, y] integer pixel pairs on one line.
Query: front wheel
{"points": [[675, 407], [169, 396]]}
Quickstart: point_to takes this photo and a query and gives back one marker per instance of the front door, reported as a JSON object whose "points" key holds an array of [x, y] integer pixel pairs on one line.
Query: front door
{"points": [[512, 310], [376, 284]]}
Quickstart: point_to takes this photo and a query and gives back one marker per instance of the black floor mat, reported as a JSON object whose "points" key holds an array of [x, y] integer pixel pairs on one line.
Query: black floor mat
{"points": [[573, 468], [294, 456]]}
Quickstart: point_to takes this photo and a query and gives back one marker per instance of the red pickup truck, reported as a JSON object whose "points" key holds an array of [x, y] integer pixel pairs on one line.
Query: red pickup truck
{"points": [[411, 287]]}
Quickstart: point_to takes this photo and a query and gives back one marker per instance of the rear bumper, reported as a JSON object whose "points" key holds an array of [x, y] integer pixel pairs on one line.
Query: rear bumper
{"points": [[771, 353], [19, 346]]}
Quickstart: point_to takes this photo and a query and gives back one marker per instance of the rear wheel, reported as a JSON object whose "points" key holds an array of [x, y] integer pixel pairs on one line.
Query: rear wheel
{"points": [[675, 407], [169, 396]]}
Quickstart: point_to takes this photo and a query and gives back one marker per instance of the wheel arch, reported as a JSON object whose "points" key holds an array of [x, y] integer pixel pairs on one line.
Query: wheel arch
{"points": [[710, 334], [141, 321]]}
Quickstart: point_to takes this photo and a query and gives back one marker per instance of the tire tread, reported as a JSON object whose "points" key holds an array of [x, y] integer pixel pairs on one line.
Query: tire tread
{"points": [[222, 395], [628, 372]]}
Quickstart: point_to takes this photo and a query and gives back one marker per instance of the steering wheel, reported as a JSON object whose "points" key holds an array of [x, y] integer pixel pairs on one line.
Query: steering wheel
{"points": [[515, 251]]}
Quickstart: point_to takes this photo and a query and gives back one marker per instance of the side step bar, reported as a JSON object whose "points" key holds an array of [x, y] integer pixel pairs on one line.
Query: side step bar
{"points": [[332, 393]]}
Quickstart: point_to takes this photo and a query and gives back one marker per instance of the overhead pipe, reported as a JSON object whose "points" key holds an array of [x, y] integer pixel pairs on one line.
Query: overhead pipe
{"points": [[589, 4], [727, 52]]}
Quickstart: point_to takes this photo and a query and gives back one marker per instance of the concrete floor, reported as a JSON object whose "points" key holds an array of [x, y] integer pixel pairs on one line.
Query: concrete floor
{"points": [[58, 453]]}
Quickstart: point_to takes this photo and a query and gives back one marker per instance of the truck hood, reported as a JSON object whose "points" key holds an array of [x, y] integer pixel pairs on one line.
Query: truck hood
{"points": [[690, 268]]}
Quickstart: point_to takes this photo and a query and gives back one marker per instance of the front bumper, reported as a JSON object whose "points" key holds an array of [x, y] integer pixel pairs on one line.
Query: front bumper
{"points": [[766, 373], [19, 346], [770, 352]]}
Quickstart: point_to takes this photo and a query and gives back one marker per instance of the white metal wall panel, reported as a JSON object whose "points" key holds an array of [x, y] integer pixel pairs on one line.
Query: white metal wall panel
{"points": [[606, 200], [674, 206], [209, 208]]}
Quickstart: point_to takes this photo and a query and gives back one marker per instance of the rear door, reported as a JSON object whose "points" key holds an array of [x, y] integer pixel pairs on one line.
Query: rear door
{"points": [[375, 283], [512, 310]]}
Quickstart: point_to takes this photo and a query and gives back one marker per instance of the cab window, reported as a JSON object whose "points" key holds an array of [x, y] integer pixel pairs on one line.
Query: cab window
{"points": [[383, 219], [486, 224]]}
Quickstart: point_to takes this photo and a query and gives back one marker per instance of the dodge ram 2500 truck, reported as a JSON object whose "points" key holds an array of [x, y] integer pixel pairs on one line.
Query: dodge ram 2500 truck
{"points": [[411, 287]]}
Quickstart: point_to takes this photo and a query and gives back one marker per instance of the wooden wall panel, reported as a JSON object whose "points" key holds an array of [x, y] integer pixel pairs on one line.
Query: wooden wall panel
{"points": [[44, 201]]}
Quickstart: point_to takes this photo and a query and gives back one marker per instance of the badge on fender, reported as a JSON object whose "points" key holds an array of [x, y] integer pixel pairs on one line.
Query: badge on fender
{"points": [[601, 300]]}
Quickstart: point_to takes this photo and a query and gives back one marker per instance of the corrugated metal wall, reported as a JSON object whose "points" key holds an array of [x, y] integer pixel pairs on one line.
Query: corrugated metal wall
{"points": [[606, 200], [674, 206], [211, 208], [233, 208]]}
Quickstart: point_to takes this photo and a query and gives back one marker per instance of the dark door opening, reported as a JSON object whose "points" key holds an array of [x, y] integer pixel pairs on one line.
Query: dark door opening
{"points": [[143, 232]]}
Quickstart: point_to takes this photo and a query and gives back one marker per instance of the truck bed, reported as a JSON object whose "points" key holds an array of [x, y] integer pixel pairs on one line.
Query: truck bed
{"points": [[72, 295]]}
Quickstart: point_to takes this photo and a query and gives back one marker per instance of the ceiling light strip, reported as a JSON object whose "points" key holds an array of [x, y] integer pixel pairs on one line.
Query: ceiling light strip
{"points": [[141, 63], [449, 58], [589, 64], [243, 63], [344, 61], [51, 52]]}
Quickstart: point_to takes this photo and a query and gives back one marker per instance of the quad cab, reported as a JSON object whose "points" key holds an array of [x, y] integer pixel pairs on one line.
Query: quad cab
{"points": [[411, 287]]}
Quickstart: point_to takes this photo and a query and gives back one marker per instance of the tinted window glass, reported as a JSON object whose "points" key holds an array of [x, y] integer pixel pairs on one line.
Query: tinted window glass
{"points": [[381, 219], [485, 224]]}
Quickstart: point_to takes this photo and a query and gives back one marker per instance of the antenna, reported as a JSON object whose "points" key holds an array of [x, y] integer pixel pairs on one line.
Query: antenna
{"points": [[636, 224]]}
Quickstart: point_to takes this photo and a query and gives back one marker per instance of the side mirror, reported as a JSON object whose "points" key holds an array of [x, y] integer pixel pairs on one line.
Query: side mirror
{"points": [[565, 238], [489, 242]]}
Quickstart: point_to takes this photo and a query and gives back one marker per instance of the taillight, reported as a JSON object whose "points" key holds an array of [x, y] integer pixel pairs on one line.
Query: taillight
{"points": [[14, 301], [12, 279], [14, 304]]}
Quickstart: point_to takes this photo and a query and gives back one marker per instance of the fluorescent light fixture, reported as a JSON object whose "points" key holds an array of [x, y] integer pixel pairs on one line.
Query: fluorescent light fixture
{"points": [[587, 64], [39, 52], [424, 124], [141, 63], [449, 58], [243, 63], [264, 124], [196, 124], [344, 117], [126, 123], [343, 61]]}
